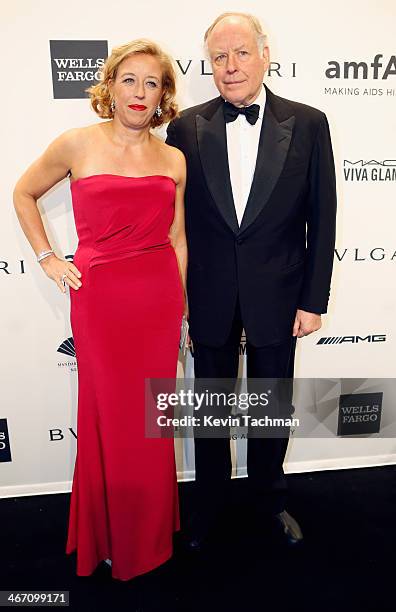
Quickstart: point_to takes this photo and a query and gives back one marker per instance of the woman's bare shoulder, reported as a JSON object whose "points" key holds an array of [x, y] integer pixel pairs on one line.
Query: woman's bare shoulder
{"points": [[75, 138], [174, 154], [176, 161]]}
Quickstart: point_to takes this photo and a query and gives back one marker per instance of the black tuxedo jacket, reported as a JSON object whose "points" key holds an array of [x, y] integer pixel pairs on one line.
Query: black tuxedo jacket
{"points": [[281, 257]]}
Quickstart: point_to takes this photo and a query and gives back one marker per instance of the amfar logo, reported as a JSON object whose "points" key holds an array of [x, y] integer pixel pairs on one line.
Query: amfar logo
{"points": [[67, 348], [362, 70], [76, 66], [372, 170], [359, 413], [352, 339], [5, 450]]}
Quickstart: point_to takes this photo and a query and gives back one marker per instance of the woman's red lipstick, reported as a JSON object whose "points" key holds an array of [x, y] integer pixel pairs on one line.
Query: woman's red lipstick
{"points": [[138, 107]]}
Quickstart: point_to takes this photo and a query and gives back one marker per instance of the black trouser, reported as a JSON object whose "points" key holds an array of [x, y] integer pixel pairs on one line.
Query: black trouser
{"points": [[265, 456]]}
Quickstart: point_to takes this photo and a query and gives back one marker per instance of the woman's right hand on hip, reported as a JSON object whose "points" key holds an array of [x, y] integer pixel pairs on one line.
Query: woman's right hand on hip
{"points": [[61, 271]]}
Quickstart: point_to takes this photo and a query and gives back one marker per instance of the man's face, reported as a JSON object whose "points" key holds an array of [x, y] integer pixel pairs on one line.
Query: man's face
{"points": [[238, 67]]}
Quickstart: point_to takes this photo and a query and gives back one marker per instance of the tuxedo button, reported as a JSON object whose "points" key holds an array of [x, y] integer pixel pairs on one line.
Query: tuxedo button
{"points": [[239, 240]]}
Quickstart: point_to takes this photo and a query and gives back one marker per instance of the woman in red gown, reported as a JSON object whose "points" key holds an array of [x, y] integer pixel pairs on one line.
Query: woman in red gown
{"points": [[127, 300]]}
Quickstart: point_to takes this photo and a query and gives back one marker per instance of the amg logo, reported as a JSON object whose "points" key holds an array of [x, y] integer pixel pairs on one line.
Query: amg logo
{"points": [[352, 339], [363, 70]]}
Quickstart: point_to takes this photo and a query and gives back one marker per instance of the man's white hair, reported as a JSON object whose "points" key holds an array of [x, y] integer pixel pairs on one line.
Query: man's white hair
{"points": [[253, 22]]}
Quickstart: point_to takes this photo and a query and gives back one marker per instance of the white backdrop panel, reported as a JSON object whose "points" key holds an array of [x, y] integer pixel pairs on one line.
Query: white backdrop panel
{"points": [[39, 384]]}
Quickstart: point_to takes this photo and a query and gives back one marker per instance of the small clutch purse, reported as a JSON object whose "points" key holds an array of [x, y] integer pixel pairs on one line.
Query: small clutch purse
{"points": [[183, 335]]}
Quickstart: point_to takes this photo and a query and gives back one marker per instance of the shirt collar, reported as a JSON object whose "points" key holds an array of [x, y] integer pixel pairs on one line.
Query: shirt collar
{"points": [[260, 100]]}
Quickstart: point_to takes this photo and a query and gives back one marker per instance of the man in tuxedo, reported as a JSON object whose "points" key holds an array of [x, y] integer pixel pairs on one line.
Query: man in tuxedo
{"points": [[260, 221]]}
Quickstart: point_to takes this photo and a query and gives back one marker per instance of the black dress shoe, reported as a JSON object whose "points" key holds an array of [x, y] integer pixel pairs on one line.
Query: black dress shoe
{"points": [[288, 529], [196, 535], [195, 544]]}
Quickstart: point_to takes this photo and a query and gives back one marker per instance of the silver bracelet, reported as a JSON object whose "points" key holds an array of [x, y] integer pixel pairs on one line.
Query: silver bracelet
{"points": [[44, 254]]}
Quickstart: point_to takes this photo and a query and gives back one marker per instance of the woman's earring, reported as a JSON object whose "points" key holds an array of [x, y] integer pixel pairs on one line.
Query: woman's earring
{"points": [[158, 111], [112, 106]]}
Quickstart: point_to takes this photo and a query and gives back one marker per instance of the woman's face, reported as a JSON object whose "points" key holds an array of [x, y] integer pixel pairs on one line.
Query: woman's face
{"points": [[137, 90]]}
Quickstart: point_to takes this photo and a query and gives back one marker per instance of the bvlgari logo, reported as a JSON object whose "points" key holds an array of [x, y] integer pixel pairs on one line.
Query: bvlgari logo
{"points": [[369, 170], [16, 266], [67, 348], [204, 68], [358, 254], [380, 67], [11, 267], [57, 434], [76, 66]]}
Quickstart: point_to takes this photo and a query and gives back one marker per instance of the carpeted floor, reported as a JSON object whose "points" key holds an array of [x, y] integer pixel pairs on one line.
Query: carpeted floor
{"points": [[347, 561]]}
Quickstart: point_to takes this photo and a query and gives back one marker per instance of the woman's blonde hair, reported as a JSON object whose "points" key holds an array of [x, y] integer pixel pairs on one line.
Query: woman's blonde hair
{"points": [[100, 93]]}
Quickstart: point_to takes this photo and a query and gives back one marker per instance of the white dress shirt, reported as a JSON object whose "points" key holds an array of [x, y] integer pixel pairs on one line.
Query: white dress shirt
{"points": [[242, 147]]}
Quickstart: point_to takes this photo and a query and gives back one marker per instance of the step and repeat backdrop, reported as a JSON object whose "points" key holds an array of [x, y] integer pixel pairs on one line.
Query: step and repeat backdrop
{"points": [[341, 60]]}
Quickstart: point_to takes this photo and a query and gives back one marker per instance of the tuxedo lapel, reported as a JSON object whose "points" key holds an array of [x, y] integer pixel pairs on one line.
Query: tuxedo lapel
{"points": [[275, 137], [212, 144]]}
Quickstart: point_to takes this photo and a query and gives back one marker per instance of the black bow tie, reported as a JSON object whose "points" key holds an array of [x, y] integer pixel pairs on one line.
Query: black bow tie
{"points": [[231, 112]]}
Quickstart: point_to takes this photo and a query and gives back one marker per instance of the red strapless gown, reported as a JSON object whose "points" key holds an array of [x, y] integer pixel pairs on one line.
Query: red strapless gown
{"points": [[126, 321]]}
